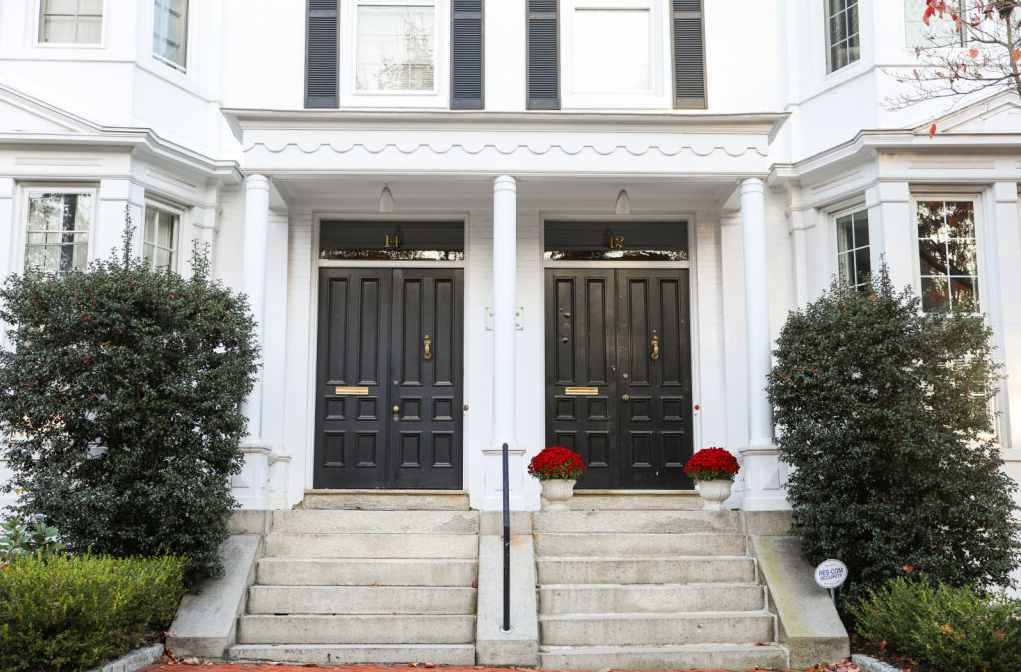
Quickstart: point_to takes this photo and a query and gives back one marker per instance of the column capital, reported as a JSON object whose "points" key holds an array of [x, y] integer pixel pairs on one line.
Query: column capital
{"points": [[753, 185], [256, 181], [505, 182]]}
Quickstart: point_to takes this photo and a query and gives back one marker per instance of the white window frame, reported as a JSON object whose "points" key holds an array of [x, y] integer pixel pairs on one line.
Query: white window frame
{"points": [[20, 242], [983, 269], [175, 251], [835, 252], [39, 25], [660, 95], [183, 67], [962, 42], [350, 96], [830, 69]]}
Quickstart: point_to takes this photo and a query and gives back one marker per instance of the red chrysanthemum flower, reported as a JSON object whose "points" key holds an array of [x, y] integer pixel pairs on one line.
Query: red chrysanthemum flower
{"points": [[710, 464], [556, 462]]}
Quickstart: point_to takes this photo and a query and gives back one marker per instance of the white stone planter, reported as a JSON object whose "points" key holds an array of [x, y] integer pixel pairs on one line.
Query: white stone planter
{"points": [[555, 493], [714, 493]]}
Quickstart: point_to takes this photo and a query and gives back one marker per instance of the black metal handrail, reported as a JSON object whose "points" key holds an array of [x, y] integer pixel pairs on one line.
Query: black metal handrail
{"points": [[506, 543]]}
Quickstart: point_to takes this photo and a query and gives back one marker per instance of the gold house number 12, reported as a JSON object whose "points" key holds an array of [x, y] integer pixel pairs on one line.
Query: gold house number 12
{"points": [[616, 242]]}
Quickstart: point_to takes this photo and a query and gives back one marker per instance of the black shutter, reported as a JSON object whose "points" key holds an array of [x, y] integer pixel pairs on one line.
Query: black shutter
{"points": [[466, 57], [321, 54], [543, 55], [689, 55]]}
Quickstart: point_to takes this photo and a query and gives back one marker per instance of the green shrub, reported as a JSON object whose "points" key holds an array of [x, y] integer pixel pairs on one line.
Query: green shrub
{"points": [[126, 384], [19, 537], [894, 463], [951, 629], [74, 613]]}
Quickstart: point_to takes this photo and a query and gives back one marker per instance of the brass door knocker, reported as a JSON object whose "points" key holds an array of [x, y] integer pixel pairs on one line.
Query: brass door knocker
{"points": [[428, 347], [655, 346]]}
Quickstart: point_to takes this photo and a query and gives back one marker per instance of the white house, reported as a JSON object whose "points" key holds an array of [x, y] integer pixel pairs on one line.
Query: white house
{"points": [[463, 223]]}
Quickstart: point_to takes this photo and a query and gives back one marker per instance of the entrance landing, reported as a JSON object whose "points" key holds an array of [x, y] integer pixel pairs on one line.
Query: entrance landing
{"points": [[386, 500]]}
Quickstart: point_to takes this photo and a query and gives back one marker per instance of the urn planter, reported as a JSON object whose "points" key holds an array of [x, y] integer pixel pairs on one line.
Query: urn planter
{"points": [[556, 492], [714, 493]]}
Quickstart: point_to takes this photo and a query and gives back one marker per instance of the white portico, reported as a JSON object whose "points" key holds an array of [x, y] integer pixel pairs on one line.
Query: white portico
{"points": [[504, 178]]}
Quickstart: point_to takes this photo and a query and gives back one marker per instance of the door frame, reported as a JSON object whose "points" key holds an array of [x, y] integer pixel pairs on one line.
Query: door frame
{"points": [[692, 265], [313, 313]]}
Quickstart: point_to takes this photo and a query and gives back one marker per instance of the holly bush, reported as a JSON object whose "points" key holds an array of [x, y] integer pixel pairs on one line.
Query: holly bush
{"points": [[121, 391], [881, 410]]}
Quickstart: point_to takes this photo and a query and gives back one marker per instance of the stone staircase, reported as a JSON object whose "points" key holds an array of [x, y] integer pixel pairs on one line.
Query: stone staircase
{"points": [[364, 586], [650, 590]]}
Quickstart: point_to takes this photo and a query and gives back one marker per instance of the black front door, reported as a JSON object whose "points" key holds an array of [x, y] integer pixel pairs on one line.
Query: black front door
{"points": [[618, 374], [388, 382]]}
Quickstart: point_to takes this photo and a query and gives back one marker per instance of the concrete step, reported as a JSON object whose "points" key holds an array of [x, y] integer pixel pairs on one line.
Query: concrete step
{"points": [[610, 599], [634, 500], [709, 569], [376, 522], [359, 572], [387, 500], [357, 629], [289, 545], [655, 629], [715, 657], [593, 545], [350, 654], [360, 600], [637, 522]]}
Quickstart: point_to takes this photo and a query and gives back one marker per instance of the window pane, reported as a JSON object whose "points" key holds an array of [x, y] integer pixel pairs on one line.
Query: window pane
{"points": [[93, 7], [58, 225], [162, 257], [862, 265], [964, 294], [845, 268], [59, 29], [960, 219], [90, 29], [395, 48], [165, 231], [932, 257], [962, 256], [939, 32], [149, 233], [861, 228], [147, 252], [930, 219], [67, 7], [611, 51], [845, 234], [934, 294], [170, 30]]}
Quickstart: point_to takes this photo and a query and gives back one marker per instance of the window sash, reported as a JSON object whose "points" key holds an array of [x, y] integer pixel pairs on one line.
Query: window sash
{"points": [[58, 241], [947, 254], [159, 237], [843, 43], [82, 19], [414, 75], [170, 31], [853, 254]]}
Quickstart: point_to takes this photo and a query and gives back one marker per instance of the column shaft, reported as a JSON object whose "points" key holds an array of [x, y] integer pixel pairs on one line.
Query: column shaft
{"points": [[253, 283], [504, 329], [756, 288]]}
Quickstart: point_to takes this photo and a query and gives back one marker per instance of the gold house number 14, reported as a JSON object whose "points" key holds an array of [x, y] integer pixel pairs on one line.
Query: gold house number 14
{"points": [[616, 242], [393, 241]]}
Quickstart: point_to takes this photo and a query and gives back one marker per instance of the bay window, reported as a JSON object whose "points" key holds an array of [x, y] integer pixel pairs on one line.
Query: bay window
{"points": [[947, 255], [57, 230]]}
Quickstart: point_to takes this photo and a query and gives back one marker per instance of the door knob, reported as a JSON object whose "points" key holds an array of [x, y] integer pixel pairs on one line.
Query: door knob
{"points": [[625, 398], [397, 412]]}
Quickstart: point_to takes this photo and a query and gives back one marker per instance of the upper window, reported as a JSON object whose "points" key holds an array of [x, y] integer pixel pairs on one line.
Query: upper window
{"points": [[842, 33], [853, 259], [71, 21], [395, 47], [159, 238], [170, 31], [57, 234], [947, 255], [611, 48], [941, 32]]}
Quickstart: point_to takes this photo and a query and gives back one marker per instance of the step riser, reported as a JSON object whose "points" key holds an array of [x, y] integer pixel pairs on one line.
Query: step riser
{"points": [[768, 658], [376, 522], [372, 546], [637, 522], [359, 600], [583, 502], [460, 655], [273, 572], [372, 501], [356, 629], [650, 599], [610, 631], [639, 545], [714, 570]]}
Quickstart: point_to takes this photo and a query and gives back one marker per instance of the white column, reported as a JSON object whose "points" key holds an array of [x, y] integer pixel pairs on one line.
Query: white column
{"points": [[1005, 285], [893, 237], [250, 485], [764, 473], [504, 413]]}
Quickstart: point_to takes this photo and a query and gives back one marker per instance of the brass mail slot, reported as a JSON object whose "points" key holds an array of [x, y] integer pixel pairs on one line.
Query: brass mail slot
{"points": [[351, 390], [581, 390]]}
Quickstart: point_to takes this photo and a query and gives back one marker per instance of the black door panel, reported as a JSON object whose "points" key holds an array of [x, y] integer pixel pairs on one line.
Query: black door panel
{"points": [[622, 336], [372, 358]]}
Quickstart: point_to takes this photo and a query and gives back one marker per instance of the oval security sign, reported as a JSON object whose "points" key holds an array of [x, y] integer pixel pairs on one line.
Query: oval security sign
{"points": [[831, 574]]}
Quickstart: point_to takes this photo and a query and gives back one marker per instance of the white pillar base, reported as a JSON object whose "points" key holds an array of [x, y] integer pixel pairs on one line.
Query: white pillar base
{"points": [[251, 486], [492, 459], [764, 479]]}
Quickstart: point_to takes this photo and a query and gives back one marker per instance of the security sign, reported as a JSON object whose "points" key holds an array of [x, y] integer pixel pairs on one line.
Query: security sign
{"points": [[831, 574]]}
